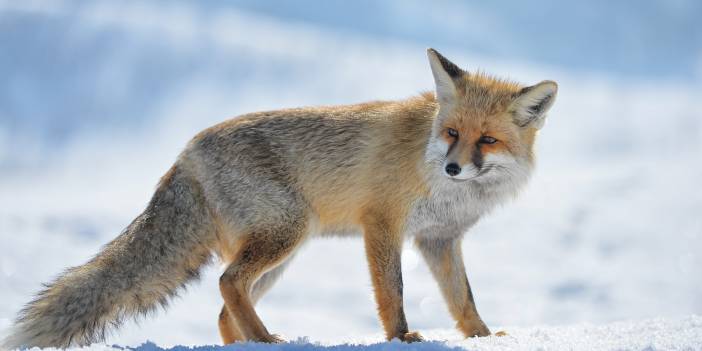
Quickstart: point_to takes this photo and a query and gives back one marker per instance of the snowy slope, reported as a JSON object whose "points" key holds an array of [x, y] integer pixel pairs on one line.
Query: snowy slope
{"points": [[609, 228]]}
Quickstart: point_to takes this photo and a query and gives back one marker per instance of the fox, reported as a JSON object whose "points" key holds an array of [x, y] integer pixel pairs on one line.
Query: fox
{"points": [[253, 189]]}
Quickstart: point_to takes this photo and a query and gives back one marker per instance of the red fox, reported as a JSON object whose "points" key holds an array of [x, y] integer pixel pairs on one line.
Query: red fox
{"points": [[254, 188]]}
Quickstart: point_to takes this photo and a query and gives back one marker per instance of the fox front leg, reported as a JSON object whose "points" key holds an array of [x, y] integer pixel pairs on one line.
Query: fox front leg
{"points": [[445, 261], [383, 250]]}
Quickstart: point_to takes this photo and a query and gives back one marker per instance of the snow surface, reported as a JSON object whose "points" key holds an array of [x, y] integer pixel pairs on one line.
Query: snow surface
{"points": [[684, 334], [98, 99]]}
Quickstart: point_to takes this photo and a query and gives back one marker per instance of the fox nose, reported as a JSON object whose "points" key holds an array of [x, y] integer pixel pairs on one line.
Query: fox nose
{"points": [[453, 169]]}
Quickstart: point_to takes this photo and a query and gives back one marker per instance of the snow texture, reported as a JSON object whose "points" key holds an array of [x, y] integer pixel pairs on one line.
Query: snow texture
{"points": [[98, 98], [684, 334]]}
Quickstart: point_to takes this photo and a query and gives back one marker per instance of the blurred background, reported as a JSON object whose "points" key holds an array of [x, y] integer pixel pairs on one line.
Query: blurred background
{"points": [[97, 98]]}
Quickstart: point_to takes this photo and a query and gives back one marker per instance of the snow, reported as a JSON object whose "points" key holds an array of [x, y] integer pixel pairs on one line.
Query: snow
{"points": [[684, 334], [608, 230]]}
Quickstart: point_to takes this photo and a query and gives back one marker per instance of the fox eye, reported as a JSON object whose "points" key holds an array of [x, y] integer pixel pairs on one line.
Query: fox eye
{"points": [[485, 139], [452, 132]]}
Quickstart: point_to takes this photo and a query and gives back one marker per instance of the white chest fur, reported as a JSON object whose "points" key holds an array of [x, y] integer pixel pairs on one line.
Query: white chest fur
{"points": [[451, 209]]}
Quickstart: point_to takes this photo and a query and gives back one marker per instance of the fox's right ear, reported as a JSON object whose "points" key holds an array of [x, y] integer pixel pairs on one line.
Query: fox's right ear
{"points": [[445, 73]]}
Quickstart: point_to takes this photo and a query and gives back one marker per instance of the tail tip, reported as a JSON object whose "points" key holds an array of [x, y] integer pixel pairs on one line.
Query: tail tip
{"points": [[13, 340]]}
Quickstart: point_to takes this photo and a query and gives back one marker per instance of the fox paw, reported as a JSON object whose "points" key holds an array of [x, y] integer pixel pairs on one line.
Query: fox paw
{"points": [[501, 333], [474, 328], [411, 337]]}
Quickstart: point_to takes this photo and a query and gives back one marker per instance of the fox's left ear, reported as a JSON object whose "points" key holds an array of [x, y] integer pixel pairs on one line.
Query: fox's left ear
{"points": [[531, 104]]}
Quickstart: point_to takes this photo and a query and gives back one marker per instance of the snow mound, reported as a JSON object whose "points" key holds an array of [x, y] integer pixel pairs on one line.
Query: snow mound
{"points": [[645, 335]]}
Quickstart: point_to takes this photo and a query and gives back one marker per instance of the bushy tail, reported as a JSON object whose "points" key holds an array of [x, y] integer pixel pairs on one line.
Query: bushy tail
{"points": [[157, 253]]}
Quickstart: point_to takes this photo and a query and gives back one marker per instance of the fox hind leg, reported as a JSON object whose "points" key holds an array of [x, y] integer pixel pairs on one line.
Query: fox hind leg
{"points": [[228, 329], [267, 280], [261, 251]]}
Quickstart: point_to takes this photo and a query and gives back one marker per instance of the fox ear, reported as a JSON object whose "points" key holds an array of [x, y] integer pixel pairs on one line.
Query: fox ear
{"points": [[531, 104], [445, 73]]}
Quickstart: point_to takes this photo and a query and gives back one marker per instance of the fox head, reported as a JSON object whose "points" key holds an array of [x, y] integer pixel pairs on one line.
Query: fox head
{"points": [[485, 128]]}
